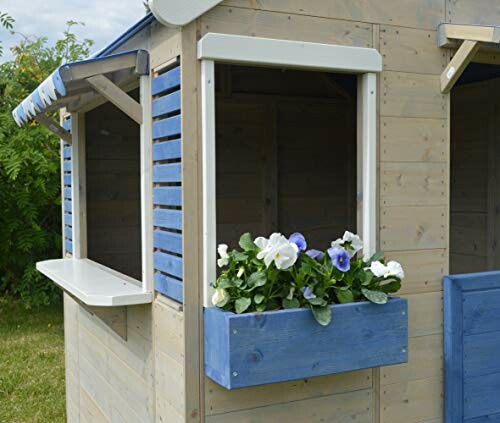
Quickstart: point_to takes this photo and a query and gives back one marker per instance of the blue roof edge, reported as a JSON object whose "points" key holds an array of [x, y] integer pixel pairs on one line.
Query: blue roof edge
{"points": [[127, 35]]}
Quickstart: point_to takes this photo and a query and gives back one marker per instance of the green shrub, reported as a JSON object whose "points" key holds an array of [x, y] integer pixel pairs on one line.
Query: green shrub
{"points": [[30, 182]]}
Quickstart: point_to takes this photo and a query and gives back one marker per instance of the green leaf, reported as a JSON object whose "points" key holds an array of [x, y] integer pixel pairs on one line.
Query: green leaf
{"points": [[293, 303], [379, 255], [344, 295], [257, 279], [237, 282], [377, 297], [261, 307], [317, 301], [224, 283], [246, 242], [323, 315], [241, 304], [391, 287], [239, 256], [258, 298], [365, 277]]}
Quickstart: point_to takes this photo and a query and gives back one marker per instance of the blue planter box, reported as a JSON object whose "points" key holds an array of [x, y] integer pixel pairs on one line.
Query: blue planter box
{"points": [[258, 348]]}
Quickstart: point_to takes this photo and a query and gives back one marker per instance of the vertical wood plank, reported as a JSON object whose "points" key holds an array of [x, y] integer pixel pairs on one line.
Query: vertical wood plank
{"points": [[191, 205]]}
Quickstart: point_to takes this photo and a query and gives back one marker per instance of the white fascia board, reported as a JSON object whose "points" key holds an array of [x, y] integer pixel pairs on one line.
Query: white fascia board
{"points": [[180, 13], [293, 54]]}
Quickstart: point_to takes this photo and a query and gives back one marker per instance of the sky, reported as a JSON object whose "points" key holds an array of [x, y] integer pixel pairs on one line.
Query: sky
{"points": [[104, 19]]}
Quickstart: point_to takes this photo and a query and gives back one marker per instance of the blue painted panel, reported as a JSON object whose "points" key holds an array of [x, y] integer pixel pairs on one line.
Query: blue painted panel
{"points": [[68, 220], [67, 192], [259, 348], [168, 241], [67, 179], [471, 343], [167, 127], [167, 196], [167, 150], [167, 81], [167, 104], [168, 263], [68, 206], [169, 286], [481, 311], [170, 172], [69, 246], [67, 124], [68, 232], [67, 165], [67, 152], [169, 219]]}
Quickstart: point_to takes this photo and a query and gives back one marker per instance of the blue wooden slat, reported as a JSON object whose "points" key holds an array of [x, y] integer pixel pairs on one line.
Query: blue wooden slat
{"points": [[169, 219], [481, 395], [68, 233], [167, 196], [67, 206], [170, 172], [170, 103], [168, 263], [67, 165], [67, 152], [167, 81], [167, 150], [491, 418], [68, 219], [67, 192], [67, 124], [168, 241], [69, 246], [480, 354], [167, 127], [258, 348], [67, 179], [169, 286]]}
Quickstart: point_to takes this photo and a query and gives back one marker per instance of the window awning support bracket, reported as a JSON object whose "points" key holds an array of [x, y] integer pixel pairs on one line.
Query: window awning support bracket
{"points": [[469, 39], [54, 127], [117, 96]]}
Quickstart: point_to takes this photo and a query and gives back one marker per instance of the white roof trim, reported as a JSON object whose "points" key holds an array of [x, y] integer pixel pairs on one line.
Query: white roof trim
{"points": [[294, 54], [180, 12]]}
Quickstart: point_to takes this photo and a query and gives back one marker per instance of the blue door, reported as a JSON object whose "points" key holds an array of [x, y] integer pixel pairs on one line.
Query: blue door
{"points": [[472, 347]]}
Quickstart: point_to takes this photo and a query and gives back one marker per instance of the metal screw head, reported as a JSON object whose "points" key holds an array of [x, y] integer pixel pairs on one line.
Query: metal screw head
{"points": [[235, 331], [403, 313], [403, 350], [235, 374]]}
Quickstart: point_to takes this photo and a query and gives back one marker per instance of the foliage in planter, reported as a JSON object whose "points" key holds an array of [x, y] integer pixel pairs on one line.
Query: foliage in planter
{"points": [[30, 181], [275, 273]]}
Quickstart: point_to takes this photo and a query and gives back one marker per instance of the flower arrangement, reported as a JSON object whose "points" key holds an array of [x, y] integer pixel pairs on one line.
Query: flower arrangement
{"points": [[278, 272]]}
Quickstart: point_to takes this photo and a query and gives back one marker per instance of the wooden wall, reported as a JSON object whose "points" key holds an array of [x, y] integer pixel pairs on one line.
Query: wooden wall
{"points": [[413, 198]]}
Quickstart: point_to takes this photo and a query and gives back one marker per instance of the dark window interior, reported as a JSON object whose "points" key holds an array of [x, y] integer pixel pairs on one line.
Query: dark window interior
{"points": [[475, 170], [286, 153], [113, 189]]}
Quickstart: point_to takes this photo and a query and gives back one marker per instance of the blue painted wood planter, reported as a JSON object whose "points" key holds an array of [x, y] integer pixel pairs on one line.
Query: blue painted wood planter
{"points": [[259, 348]]}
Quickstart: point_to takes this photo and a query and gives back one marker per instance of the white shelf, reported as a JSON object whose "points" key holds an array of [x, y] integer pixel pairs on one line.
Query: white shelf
{"points": [[93, 284]]}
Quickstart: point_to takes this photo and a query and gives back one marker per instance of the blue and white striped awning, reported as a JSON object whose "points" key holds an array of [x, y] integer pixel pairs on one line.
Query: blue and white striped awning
{"points": [[67, 83]]}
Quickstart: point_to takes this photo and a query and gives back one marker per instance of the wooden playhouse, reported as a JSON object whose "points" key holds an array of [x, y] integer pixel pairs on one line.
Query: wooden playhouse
{"points": [[211, 118]]}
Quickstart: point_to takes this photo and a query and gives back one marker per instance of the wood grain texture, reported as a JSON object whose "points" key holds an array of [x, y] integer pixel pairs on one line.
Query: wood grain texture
{"points": [[242, 21], [411, 50], [411, 95], [467, 12], [412, 13], [425, 314], [258, 348]]}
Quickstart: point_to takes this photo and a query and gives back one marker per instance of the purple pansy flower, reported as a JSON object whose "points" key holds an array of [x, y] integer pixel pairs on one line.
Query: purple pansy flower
{"points": [[315, 254], [340, 258], [298, 239], [307, 292]]}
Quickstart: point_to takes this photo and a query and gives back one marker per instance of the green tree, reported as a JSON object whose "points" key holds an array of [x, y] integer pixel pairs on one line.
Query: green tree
{"points": [[30, 214]]}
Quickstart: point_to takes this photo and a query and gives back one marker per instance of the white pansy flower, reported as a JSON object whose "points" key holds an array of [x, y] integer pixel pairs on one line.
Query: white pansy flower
{"points": [[220, 297], [277, 249], [378, 269], [224, 256], [351, 242], [393, 268]]}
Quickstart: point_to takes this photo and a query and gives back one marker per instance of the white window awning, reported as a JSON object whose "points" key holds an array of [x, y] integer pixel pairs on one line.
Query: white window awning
{"points": [[69, 82]]}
